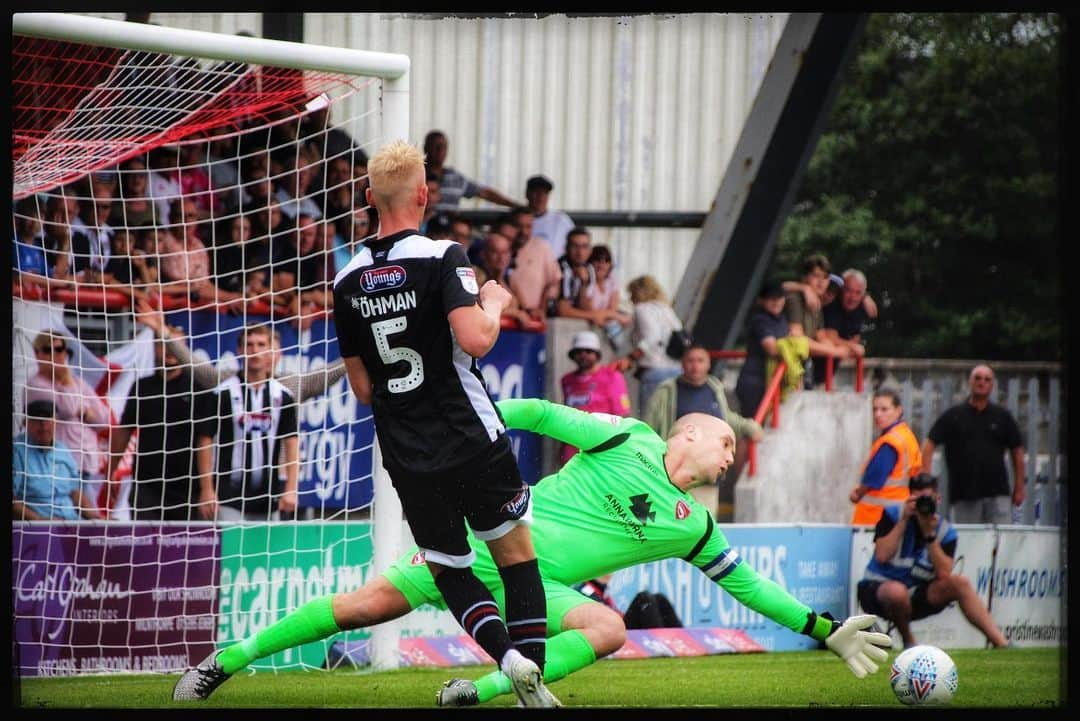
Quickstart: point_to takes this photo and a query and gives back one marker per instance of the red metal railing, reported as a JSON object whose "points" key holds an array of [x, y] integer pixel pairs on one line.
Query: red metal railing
{"points": [[770, 401], [91, 298], [858, 374]]}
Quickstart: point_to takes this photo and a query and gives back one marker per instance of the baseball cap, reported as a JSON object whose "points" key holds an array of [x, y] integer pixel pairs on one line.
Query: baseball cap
{"points": [[439, 224], [771, 290], [40, 409], [923, 480], [585, 340], [538, 182]]}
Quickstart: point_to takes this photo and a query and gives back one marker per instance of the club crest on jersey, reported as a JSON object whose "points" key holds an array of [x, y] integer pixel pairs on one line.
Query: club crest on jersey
{"points": [[418, 559], [256, 422], [682, 511], [516, 506], [384, 278], [467, 276]]}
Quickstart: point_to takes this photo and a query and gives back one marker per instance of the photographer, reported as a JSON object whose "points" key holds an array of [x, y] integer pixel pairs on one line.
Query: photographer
{"points": [[910, 574]]}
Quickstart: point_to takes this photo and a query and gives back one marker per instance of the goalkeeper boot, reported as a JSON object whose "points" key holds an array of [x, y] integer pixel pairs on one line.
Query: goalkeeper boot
{"points": [[457, 692], [198, 683], [528, 684]]}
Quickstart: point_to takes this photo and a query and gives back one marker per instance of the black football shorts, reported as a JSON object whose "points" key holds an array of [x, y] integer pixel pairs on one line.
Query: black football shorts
{"points": [[487, 492]]}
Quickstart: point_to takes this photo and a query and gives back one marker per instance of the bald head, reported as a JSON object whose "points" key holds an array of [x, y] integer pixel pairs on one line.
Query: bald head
{"points": [[700, 448], [981, 382]]}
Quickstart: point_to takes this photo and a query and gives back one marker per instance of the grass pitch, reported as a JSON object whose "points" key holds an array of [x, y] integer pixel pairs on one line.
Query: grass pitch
{"points": [[1014, 678]]}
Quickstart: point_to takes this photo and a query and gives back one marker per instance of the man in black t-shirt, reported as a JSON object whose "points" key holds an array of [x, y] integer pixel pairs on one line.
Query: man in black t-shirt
{"points": [[976, 434], [410, 330], [168, 413]]}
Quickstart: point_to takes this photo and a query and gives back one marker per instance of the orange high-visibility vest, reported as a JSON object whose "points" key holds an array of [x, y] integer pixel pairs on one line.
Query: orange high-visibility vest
{"points": [[908, 463]]}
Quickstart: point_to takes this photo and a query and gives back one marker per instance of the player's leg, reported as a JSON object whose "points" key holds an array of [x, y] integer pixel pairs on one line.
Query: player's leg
{"points": [[500, 512], [434, 507], [581, 631], [375, 602], [499, 509]]}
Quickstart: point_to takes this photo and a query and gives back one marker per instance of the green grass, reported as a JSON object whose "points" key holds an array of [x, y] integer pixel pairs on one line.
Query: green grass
{"points": [[988, 678]]}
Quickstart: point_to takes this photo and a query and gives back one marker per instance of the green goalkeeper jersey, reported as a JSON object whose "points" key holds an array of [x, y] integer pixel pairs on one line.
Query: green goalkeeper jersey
{"points": [[612, 506]]}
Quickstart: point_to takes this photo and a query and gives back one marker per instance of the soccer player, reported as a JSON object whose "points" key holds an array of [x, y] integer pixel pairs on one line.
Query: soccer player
{"points": [[410, 330], [623, 500]]}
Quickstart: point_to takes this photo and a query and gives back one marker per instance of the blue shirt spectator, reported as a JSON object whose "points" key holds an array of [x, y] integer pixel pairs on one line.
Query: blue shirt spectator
{"points": [[44, 473], [766, 325]]}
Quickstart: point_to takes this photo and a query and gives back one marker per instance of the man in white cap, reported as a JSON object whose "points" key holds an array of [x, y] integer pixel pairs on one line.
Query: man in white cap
{"points": [[592, 387]]}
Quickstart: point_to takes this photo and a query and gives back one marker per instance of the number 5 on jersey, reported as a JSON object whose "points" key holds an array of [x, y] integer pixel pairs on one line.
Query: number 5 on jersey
{"points": [[382, 330]]}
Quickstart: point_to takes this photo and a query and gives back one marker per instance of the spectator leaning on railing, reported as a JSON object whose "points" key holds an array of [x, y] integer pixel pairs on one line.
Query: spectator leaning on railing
{"points": [[803, 320], [765, 325], [848, 316], [534, 272]]}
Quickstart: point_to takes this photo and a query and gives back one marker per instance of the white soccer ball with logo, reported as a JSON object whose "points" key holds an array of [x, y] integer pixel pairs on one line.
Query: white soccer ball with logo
{"points": [[923, 675]]}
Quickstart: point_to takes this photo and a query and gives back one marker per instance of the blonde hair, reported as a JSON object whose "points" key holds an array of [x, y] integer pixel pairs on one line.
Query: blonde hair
{"points": [[46, 338], [394, 171], [645, 288]]}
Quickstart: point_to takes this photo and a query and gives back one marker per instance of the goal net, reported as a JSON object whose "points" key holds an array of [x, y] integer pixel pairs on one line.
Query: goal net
{"points": [[176, 193]]}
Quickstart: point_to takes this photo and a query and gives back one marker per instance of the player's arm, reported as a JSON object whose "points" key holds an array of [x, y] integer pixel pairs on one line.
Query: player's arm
{"points": [[476, 327], [359, 380], [587, 431], [857, 647]]}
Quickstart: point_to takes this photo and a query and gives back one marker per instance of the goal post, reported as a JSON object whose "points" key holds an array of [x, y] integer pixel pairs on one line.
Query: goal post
{"points": [[112, 107]]}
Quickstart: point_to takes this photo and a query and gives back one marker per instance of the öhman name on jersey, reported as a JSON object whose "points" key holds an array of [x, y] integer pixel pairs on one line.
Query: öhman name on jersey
{"points": [[393, 303]]}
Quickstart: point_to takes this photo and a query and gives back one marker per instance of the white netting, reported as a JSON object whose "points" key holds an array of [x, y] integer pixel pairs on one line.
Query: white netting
{"points": [[159, 195]]}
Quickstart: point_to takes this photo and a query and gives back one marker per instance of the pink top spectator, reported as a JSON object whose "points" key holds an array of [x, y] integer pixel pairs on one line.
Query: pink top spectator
{"points": [[182, 260], [601, 391], [80, 414]]}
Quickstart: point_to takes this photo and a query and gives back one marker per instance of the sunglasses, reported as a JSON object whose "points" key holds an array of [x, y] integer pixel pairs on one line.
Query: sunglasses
{"points": [[51, 348]]}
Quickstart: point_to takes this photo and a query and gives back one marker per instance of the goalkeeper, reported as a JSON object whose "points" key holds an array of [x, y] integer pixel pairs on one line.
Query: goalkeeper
{"points": [[622, 501]]}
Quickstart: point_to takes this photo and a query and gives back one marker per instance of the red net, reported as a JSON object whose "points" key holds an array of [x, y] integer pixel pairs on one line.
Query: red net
{"points": [[78, 108]]}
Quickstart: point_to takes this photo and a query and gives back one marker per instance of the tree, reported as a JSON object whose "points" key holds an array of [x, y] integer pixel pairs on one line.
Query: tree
{"points": [[937, 175]]}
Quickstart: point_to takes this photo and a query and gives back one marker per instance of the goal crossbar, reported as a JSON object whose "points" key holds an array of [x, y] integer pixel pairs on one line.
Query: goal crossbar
{"points": [[215, 46]]}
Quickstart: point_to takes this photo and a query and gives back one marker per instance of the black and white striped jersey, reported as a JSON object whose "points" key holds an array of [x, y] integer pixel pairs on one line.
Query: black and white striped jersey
{"points": [[432, 410]]}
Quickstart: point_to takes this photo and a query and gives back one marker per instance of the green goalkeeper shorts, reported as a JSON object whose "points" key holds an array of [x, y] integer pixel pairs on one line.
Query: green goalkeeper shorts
{"points": [[412, 577]]}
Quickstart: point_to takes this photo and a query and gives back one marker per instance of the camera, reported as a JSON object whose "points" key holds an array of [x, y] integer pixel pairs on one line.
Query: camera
{"points": [[926, 505]]}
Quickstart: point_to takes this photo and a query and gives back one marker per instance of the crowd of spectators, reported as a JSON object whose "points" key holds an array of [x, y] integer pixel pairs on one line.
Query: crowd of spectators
{"points": [[260, 223]]}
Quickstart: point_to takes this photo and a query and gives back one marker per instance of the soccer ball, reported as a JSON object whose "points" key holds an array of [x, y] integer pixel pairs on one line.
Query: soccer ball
{"points": [[923, 675]]}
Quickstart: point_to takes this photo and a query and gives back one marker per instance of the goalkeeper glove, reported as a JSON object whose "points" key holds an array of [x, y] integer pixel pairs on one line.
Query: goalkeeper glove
{"points": [[859, 648]]}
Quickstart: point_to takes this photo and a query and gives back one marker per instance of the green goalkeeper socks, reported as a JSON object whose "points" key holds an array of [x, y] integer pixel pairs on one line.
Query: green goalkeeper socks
{"points": [[568, 652], [313, 621]]}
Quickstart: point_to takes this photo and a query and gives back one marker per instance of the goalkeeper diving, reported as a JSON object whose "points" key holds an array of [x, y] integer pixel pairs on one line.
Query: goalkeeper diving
{"points": [[621, 501]]}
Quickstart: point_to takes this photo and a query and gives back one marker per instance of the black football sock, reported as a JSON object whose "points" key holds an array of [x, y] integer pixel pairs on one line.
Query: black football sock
{"points": [[526, 609], [474, 608]]}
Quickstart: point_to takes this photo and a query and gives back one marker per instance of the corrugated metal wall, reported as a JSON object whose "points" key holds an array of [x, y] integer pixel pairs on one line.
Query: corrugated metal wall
{"points": [[622, 113]]}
